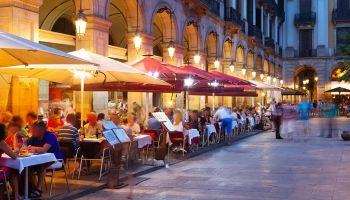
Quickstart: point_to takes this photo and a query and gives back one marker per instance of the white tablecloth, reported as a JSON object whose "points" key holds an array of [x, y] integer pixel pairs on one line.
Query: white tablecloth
{"points": [[251, 121], [210, 129], [21, 162], [143, 140], [192, 133], [234, 124]]}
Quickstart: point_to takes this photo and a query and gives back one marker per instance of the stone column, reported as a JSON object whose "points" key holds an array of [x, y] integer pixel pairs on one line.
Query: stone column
{"points": [[254, 12], [95, 40], [268, 25], [276, 30], [146, 46], [262, 22], [20, 17]]}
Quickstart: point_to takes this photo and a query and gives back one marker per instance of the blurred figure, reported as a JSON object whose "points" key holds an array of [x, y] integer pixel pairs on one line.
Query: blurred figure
{"points": [[93, 128], [100, 117], [277, 120], [304, 110], [139, 113], [178, 124], [31, 118], [5, 117], [153, 123], [68, 133], [289, 117], [78, 120], [132, 124], [54, 123], [223, 115], [170, 114]]}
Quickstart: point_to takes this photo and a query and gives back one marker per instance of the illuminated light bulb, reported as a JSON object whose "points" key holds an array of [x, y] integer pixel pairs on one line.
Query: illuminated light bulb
{"points": [[216, 63], [281, 81], [188, 82], [171, 49], [137, 41], [197, 59], [232, 68], [261, 76], [253, 74], [244, 70], [80, 24]]}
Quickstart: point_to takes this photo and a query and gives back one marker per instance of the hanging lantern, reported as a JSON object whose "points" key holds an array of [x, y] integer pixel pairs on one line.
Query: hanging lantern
{"points": [[262, 76], [171, 49], [274, 79], [80, 23], [244, 70], [268, 78], [197, 59], [232, 67], [137, 41], [216, 63], [281, 81], [316, 78], [253, 74]]}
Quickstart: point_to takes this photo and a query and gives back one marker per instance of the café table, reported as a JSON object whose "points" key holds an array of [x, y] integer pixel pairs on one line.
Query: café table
{"points": [[210, 128], [142, 140], [22, 163], [192, 133]]}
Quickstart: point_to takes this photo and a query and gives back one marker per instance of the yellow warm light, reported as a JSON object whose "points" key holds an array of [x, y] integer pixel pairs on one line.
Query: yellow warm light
{"points": [[244, 71], [261, 76], [171, 50], [137, 41], [82, 74], [197, 59], [253, 74], [232, 68], [80, 24], [216, 63]]}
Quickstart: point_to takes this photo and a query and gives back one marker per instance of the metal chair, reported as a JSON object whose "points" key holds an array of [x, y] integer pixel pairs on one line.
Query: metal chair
{"points": [[70, 153], [91, 152], [54, 169], [179, 139]]}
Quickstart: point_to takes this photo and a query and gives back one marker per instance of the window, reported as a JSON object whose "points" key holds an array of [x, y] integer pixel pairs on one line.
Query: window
{"points": [[343, 4], [305, 43], [305, 6], [343, 35]]}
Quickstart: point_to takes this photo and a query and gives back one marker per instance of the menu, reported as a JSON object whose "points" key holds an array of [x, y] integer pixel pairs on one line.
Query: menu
{"points": [[161, 117], [109, 125], [121, 135], [110, 137]]}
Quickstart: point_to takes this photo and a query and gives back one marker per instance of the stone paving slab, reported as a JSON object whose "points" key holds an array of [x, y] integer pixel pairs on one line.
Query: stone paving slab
{"points": [[257, 168]]}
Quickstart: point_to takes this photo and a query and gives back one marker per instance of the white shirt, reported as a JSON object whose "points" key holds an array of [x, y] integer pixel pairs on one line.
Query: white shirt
{"points": [[179, 127], [234, 116], [90, 131], [222, 113]]}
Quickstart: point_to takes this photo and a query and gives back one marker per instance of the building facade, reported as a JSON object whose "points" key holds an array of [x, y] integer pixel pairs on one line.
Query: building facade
{"points": [[315, 30], [246, 36]]}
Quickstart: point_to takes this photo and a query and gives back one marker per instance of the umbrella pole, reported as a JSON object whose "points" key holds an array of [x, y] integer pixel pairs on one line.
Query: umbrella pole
{"points": [[186, 96], [82, 104], [213, 101]]}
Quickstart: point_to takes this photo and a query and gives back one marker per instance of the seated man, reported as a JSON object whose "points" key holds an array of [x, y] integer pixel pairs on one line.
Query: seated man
{"points": [[132, 125], [68, 133], [42, 141], [93, 128], [153, 123]]}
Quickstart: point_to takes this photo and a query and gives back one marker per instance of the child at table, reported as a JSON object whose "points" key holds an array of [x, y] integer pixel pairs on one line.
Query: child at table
{"points": [[15, 136], [11, 173]]}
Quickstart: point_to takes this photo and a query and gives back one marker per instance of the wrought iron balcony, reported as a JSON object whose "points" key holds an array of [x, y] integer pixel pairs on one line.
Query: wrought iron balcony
{"points": [[254, 31], [269, 43], [341, 15], [213, 5], [233, 16], [305, 19]]}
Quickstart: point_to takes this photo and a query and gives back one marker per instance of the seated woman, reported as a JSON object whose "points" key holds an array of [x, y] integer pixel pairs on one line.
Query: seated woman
{"points": [[13, 174], [132, 125], [178, 121]]}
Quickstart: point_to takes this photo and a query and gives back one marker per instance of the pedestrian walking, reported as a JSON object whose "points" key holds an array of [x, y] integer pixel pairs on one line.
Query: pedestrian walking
{"points": [[278, 120], [289, 118], [304, 110], [223, 115]]}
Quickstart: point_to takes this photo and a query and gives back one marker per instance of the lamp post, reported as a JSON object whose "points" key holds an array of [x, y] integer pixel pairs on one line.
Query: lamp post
{"points": [[171, 46], [80, 22], [232, 67], [188, 82], [213, 84]]}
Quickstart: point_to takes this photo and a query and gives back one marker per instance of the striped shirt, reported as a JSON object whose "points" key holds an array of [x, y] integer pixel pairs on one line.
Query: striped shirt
{"points": [[68, 133]]}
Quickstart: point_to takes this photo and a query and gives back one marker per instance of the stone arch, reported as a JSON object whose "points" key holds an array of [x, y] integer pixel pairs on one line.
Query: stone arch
{"points": [[259, 64], [265, 66], [250, 60], [211, 42], [239, 55], [303, 73], [227, 49], [119, 27], [51, 11], [161, 17], [191, 38]]}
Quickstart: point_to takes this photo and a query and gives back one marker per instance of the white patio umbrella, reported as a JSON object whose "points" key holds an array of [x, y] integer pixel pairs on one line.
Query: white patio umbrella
{"points": [[108, 70], [15, 51]]}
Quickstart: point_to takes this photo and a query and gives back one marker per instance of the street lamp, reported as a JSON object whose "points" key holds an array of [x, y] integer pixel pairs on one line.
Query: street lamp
{"points": [[268, 78], [80, 22], [316, 78], [274, 80], [262, 76], [244, 70], [197, 59], [171, 46], [281, 81]]}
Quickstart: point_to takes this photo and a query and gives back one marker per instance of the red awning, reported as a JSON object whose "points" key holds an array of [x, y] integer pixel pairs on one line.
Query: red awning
{"points": [[231, 79], [202, 73], [228, 94]]}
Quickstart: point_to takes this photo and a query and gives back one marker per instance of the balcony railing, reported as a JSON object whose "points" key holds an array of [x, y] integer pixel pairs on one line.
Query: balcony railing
{"points": [[306, 53], [254, 31], [232, 15], [269, 43], [341, 15], [305, 19], [213, 5]]}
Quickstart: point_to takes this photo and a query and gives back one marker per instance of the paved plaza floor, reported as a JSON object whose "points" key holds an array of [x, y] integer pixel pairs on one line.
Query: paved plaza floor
{"points": [[256, 168]]}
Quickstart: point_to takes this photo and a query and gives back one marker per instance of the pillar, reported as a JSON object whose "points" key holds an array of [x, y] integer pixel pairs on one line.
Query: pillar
{"points": [[254, 12], [262, 21], [276, 29], [268, 25], [21, 18], [95, 40]]}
